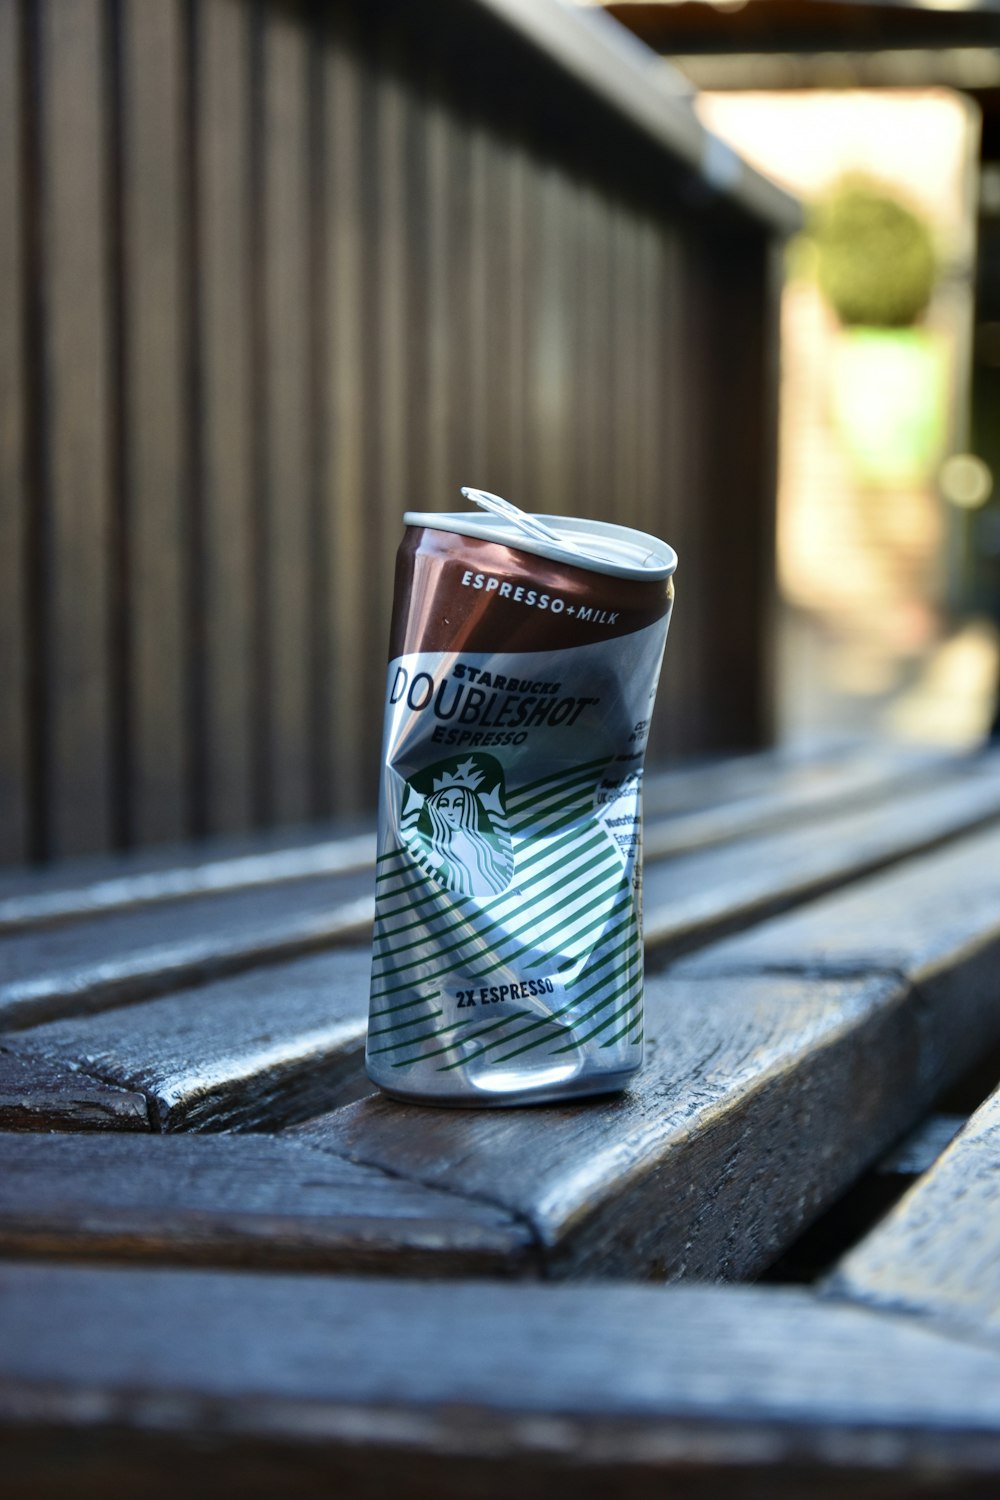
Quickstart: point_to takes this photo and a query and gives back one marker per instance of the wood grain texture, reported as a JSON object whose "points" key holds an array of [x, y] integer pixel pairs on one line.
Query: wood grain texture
{"points": [[79, 887], [314, 1385], [677, 817], [938, 1253], [122, 883], [343, 482], [699, 896], [273, 1046], [688, 901], [237, 1200], [154, 437], [917, 1152], [74, 189], [684, 810], [761, 1098], [224, 675], [112, 960], [286, 540], [14, 494], [39, 1094], [935, 922]]}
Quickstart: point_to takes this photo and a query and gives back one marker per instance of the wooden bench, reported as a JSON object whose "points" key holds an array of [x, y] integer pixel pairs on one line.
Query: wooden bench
{"points": [[227, 1261]]}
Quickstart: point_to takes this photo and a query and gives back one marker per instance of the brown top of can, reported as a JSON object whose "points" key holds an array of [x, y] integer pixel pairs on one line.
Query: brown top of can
{"points": [[457, 592]]}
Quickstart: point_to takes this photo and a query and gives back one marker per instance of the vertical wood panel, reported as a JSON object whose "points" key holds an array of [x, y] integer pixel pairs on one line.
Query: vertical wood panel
{"points": [[648, 411], [498, 300], [285, 543], [438, 290], [476, 334], [343, 354], [547, 351], [154, 439], [349, 284], [515, 323], [418, 494], [225, 694], [14, 498], [75, 227], [385, 122]]}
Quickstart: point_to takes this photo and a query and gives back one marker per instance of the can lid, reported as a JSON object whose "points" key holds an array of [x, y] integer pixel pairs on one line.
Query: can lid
{"points": [[601, 546]]}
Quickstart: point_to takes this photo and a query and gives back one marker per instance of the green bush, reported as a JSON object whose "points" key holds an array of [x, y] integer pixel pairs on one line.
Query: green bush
{"points": [[876, 259]]}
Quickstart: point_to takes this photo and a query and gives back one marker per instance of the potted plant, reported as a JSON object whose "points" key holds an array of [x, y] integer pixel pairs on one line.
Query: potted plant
{"points": [[877, 269]]}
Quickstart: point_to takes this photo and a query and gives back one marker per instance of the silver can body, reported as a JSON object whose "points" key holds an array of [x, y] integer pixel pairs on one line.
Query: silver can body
{"points": [[507, 959]]}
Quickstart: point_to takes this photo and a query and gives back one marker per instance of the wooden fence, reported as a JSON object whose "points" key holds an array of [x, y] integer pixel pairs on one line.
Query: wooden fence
{"points": [[270, 273]]}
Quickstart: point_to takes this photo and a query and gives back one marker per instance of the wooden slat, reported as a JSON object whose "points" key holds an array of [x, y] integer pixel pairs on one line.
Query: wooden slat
{"points": [[223, 662], [688, 901], [259, 1385], [39, 1094], [441, 183], [796, 791], [343, 340], [764, 1084], [761, 1098], [266, 1048], [112, 960], [684, 810], [75, 202], [934, 921], [938, 1252], [394, 116], [246, 1200], [478, 346], [918, 1151], [14, 734], [156, 476], [695, 898], [145, 880], [286, 540]]}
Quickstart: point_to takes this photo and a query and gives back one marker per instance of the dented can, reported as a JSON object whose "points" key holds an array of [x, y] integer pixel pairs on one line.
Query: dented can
{"points": [[524, 658]]}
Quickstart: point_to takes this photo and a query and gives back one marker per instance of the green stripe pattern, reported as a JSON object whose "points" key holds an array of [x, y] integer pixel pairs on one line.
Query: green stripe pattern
{"points": [[569, 916]]}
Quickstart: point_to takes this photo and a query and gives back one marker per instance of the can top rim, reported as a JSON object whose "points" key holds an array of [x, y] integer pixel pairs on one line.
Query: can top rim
{"points": [[600, 546]]}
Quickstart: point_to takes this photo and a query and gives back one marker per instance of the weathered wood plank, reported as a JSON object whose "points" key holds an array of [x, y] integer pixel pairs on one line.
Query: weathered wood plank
{"points": [[126, 882], [224, 598], [154, 438], [306, 1384], [112, 960], [677, 818], [245, 1200], [697, 897], [760, 1082], [14, 510], [934, 922], [685, 810], [74, 188], [272, 1046], [125, 955], [761, 1098], [938, 1253], [918, 1151], [40, 1094]]}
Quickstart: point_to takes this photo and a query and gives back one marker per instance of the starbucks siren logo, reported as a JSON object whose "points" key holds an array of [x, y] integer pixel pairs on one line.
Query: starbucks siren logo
{"points": [[454, 821]]}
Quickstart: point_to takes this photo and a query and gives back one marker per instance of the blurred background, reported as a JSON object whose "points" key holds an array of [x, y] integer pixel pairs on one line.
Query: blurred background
{"points": [[889, 513], [272, 272]]}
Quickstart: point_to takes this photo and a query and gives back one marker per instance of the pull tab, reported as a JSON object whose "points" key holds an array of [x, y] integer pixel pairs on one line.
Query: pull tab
{"points": [[529, 525]]}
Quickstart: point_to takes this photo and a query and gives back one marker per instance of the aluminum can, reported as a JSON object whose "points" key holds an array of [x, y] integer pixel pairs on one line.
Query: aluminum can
{"points": [[507, 962]]}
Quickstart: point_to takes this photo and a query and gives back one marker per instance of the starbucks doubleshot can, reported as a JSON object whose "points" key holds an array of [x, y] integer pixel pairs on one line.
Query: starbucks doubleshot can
{"points": [[524, 657]]}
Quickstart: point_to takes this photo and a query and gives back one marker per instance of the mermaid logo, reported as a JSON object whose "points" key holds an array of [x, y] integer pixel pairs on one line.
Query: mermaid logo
{"points": [[455, 823]]}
